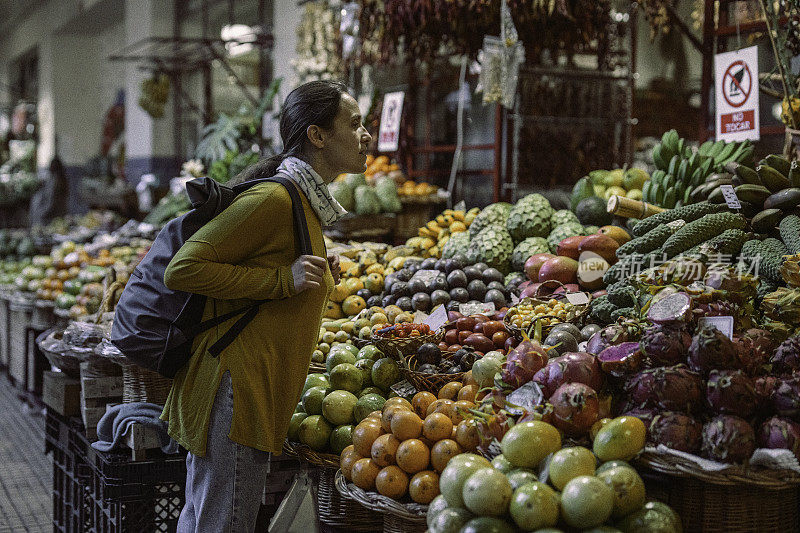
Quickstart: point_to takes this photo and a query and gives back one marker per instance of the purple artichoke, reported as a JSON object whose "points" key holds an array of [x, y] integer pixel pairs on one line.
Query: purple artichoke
{"points": [[673, 388], [786, 359], [728, 439], [711, 350], [731, 392], [677, 431], [786, 397], [665, 345], [780, 434]]}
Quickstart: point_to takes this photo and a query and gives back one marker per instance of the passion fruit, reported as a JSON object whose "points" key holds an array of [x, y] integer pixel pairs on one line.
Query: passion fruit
{"points": [[622, 438], [487, 492], [534, 506], [586, 502], [526, 444], [569, 463]]}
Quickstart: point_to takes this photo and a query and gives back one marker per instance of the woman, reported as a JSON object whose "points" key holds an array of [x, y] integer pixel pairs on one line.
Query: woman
{"points": [[231, 410]]}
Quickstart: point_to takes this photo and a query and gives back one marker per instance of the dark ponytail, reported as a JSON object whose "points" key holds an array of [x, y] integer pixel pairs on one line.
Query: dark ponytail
{"points": [[313, 103]]}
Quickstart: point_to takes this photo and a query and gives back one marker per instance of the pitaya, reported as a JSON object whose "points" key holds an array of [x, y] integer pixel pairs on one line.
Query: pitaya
{"points": [[780, 434], [753, 350], [622, 359], [575, 408], [612, 335], [764, 387], [710, 350], [729, 439], [523, 362], [572, 367], [665, 345], [786, 397], [673, 310], [673, 388], [731, 392], [786, 359], [677, 431]]}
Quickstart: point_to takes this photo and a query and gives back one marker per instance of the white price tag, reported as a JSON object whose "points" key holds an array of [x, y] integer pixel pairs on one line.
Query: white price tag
{"points": [[419, 317], [437, 318], [730, 196], [577, 298], [477, 309], [722, 323], [514, 299], [426, 276], [460, 206]]}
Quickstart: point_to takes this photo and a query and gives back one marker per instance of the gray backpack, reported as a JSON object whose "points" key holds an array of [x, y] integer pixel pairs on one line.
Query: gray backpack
{"points": [[154, 326]]}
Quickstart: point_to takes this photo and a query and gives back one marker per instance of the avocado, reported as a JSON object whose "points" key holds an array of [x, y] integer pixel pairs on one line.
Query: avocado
{"points": [[592, 211]]}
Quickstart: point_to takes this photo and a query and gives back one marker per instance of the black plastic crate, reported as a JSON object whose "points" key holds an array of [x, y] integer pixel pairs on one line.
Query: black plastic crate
{"points": [[72, 493], [117, 478], [159, 511]]}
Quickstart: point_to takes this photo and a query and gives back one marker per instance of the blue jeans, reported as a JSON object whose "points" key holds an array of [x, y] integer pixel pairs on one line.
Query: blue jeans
{"points": [[224, 488]]}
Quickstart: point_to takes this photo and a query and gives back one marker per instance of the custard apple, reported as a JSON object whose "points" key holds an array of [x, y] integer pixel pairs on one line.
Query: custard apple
{"points": [[562, 216], [456, 244], [527, 248], [529, 218], [560, 233], [494, 215], [492, 246]]}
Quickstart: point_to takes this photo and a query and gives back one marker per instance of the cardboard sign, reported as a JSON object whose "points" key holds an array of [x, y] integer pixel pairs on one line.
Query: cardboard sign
{"points": [[404, 389], [389, 131], [477, 309], [577, 298], [460, 206], [437, 318], [730, 196], [722, 323], [736, 91]]}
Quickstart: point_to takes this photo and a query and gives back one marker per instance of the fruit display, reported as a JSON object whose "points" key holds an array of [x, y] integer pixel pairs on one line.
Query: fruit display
{"points": [[477, 332], [551, 312], [432, 240], [602, 184], [355, 195]]}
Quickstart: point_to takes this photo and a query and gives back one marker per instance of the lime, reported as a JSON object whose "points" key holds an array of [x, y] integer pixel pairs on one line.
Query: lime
{"points": [[339, 354], [385, 373], [346, 376], [312, 400], [315, 432]]}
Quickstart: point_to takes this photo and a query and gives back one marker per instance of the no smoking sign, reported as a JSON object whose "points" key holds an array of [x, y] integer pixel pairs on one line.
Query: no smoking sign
{"points": [[736, 90]]}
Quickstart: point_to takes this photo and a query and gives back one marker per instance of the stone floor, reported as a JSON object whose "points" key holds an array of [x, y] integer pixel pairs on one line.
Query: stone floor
{"points": [[25, 471]]}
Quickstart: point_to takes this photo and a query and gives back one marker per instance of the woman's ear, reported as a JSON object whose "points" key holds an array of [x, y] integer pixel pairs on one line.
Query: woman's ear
{"points": [[315, 136]]}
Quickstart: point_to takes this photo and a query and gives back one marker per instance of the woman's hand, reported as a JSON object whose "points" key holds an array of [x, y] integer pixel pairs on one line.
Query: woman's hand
{"points": [[307, 272], [336, 271]]}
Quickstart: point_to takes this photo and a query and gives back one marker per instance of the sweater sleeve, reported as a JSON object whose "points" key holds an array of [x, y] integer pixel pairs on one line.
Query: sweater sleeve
{"points": [[213, 262]]}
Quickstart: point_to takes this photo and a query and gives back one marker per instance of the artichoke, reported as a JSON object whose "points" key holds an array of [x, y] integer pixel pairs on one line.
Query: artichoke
{"points": [[677, 431], [786, 358], [780, 434]]}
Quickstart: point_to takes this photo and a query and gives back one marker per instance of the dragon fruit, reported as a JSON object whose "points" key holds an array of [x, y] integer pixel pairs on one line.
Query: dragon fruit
{"points": [[665, 345], [764, 387], [673, 310], [626, 331], [622, 359], [753, 350], [572, 367], [523, 363], [786, 358], [575, 408], [780, 434], [731, 392], [786, 397], [710, 350], [728, 439], [673, 388], [677, 431]]}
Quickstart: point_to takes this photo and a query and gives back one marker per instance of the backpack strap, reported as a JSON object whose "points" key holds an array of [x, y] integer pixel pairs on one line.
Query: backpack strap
{"points": [[303, 243]]}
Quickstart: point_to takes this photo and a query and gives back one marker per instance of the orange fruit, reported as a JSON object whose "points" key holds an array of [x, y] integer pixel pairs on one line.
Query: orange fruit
{"points": [[389, 413], [468, 392], [460, 408], [424, 487], [364, 472], [437, 426], [441, 453], [467, 435], [406, 424], [413, 456], [397, 401], [364, 435], [467, 379], [450, 391], [375, 415], [440, 406], [421, 401], [347, 460], [392, 482], [384, 449]]}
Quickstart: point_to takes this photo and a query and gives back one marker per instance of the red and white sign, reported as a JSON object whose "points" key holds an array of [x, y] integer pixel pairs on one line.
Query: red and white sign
{"points": [[736, 89], [389, 131]]}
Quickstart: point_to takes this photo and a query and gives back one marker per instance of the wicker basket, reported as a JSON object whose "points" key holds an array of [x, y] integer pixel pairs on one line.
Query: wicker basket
{"points": [[397, 348], [142, 385], [306, 454], [426, 382], [398, 517], [338, 511], [317, 368], [732, 500], [581, 312], [413, 216]]}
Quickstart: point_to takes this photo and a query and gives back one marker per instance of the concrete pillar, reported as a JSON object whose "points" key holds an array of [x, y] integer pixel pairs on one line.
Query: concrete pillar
{"points": [[286, 19], [148, 141]]}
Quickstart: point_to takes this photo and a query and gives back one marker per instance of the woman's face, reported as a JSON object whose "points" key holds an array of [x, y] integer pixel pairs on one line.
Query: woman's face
{"points": [[347, 141]]}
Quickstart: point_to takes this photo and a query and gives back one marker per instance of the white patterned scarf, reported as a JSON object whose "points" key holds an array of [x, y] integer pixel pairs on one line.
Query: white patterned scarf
{"points": [[324, 204]]}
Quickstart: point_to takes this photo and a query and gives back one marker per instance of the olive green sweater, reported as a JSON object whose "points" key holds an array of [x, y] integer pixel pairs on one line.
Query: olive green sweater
{"points": [[244, 254]]}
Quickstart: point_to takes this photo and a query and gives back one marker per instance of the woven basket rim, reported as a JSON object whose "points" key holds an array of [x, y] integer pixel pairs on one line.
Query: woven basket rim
{"points": [[672, 465], [413, 512], [304, 453]]}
